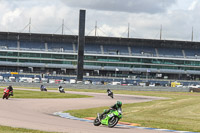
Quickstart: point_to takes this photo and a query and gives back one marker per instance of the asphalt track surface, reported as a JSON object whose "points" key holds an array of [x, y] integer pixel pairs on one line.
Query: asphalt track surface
{"points": [[38, 113]]}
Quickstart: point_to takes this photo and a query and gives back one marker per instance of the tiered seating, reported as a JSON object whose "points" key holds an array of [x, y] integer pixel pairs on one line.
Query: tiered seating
{"points": [[33, 46], [116, 49], [145, 51], [92, 48], [170, 52], [5, 44], [97, 49], [60, 47], [190, 53]]}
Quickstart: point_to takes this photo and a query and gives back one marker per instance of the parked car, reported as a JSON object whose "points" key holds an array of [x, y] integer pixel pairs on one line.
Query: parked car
{"points": [[36, 80], [193, 86], [124, 83], [152, 85], [116, 83], [12, 79], [1, 78], [52, 81], [180, 85], [87, 82], [44, 80], [194, 89], [25, 80], [72, 81], [157, 84]]}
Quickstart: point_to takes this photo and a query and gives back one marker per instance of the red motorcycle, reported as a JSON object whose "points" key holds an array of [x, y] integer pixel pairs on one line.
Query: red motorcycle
{"points": [[6, 93]]}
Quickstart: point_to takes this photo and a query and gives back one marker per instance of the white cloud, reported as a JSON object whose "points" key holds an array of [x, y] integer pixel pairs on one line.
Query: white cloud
{"points": [[193, 5], [136, 6], [144, 16], [10, 16]]}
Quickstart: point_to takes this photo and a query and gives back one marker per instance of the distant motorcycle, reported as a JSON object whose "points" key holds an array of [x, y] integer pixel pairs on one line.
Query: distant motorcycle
{"points": [[110, 93], [61, 90], [43, 88], [7, 93]]}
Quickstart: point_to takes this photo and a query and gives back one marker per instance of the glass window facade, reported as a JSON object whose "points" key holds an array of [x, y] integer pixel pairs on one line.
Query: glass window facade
{"points": [[100, 60]]}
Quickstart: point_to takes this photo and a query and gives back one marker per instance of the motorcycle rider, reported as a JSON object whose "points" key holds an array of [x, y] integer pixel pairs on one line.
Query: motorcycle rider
{"points": [[109, 92], [116, 106], [42, 88], [60, 88], [10, 90]]}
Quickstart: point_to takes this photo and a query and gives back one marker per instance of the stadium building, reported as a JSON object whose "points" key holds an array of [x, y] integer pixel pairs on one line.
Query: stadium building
{"points": [[104, 56]]}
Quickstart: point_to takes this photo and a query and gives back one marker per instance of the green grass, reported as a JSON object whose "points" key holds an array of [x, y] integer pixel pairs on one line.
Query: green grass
{"points": [[66, 89], [6, 129], [180, 112], [42, 94]]}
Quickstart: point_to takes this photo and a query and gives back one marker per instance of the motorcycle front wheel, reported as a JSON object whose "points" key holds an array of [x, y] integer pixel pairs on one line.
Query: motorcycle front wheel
{"points": [[97, 122], [113, 121]]}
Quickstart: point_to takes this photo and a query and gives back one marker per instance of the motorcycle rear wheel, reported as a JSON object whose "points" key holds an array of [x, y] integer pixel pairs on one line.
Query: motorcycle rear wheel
{"points": [[97, 122], [113, 121]]}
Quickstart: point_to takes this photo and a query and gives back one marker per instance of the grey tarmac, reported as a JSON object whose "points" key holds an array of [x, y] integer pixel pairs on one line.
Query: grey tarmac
{"points": [[38, 113]]}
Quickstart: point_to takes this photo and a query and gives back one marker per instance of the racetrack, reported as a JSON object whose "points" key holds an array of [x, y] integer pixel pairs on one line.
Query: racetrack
{"points": [[38, 113]]}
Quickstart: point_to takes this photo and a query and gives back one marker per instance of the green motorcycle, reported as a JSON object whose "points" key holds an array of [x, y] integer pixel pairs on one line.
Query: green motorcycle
{"points": [[110, 119]]}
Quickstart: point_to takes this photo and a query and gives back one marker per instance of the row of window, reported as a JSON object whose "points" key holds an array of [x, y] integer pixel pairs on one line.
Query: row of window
{"points": [[99, 64], [87, 58], [38, 55]]}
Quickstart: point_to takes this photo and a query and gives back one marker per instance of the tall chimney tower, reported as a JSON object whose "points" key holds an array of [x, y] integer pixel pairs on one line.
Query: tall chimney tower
{"points": [[81, 44]]}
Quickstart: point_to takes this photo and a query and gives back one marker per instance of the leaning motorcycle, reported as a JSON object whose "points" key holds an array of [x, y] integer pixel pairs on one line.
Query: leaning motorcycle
{"points": [[43, 88], [110, 93], [6, 93], [61, 90], [111, 119]]}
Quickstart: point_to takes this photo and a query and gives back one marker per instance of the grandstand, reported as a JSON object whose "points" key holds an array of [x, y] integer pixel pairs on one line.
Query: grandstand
{"points": [[47, 53]]}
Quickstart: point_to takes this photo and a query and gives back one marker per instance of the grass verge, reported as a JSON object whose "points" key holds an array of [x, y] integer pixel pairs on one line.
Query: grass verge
{"points": [[42, 94], [6, 129], [180, 112]]}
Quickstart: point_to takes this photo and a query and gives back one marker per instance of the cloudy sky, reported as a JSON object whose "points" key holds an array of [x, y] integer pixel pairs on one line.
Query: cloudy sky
{"points": [[145, 17]]}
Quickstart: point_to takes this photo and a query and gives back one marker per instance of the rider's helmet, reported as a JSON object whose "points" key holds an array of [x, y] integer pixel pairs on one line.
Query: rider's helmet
{"points": [[60, 86], [10, 87], [108, 90], [119, 104]]}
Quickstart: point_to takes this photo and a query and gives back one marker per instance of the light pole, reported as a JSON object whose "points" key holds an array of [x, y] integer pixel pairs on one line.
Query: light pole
{"points": [[116, 69], [147, 74]]}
